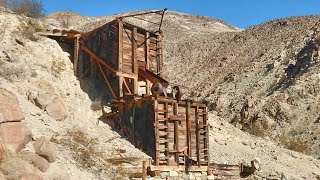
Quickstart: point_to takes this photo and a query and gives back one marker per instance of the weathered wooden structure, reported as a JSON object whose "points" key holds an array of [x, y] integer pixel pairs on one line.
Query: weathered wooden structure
{"points": [[171, 131], [129, 60], [118, 49]]}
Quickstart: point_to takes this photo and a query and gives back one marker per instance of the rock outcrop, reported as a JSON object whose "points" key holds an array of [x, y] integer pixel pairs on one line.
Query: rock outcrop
{"points": [[45, 149], [15, 135], [57, 110], [9, 107]]}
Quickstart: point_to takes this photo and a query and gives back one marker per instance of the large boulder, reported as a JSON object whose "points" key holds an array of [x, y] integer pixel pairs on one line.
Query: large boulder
{"points": [[42, 100], [36, 160], [45, 148], [9, 107], [2, 176], [15, 168], [3, 152], [57, 110], [15, 135]]}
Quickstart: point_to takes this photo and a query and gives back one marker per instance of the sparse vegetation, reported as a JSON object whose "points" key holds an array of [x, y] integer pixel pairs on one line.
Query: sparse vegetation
{"points": [[85, 153], [255, 129], [29, 28], [295, 144], [30, 8], [58, 67]]}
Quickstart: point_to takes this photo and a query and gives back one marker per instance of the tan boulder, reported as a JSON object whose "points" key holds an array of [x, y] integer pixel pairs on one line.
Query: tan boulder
{"points": [[30, 176], [3, 151], [15, 168], [38, 161], [42, 100], [57, 110], [45, 148], [15, 135], [9, 107], [2, 176]]}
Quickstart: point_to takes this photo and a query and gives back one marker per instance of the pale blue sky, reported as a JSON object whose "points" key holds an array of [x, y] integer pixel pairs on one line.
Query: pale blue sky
{"points": [[240, 13]]}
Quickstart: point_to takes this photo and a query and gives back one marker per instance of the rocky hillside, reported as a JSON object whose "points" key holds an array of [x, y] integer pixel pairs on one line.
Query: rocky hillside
{"points": [[246, 75], [55, 133], [265, 79]]}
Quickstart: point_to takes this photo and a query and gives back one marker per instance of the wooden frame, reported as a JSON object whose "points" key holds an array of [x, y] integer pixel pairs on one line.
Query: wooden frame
{"points": [[121, 48], [175, 129]]}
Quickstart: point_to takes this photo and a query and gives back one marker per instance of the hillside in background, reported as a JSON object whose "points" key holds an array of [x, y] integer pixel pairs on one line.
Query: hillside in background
{"points": [[263, 80]]}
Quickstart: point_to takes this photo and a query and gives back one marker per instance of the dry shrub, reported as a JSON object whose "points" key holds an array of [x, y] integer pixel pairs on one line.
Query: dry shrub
{"points": [[58, 66], [255, 129], [294, 143], [29, 29], [85, 153], [30, 8]]}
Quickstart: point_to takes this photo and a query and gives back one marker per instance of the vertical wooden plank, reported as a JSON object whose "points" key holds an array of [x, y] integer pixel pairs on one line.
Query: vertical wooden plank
{"points": [[159, 53], [76, 55], [156, 129], [166, 115], [120, 86], [188, 125], [176, 134], [147, 59], [120, 45], [197, 135], [144, 170], [120, 55], [207, 136], [134, 60]]}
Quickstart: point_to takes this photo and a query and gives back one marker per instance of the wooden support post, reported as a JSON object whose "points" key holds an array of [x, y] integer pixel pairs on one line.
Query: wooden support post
{"points": [[120, 55], [76, 55], [197, 135], [80, 64], [147, 60], [166, 108], [134, 60], [159, 54], [97, 58], [156, 130], [120, 86], [188, 125], [107, 82], [144, 170], [126, 85], [176, 134], [206, 143]]}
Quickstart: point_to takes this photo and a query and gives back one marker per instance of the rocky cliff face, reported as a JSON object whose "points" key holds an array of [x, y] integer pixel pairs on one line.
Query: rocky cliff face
{"points": [[264, 80]]}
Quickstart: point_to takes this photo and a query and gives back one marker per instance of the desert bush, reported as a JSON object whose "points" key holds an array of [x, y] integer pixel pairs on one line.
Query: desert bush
{"points": [[256, 129], [29, 29], [30, 8], [293, 143]]}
